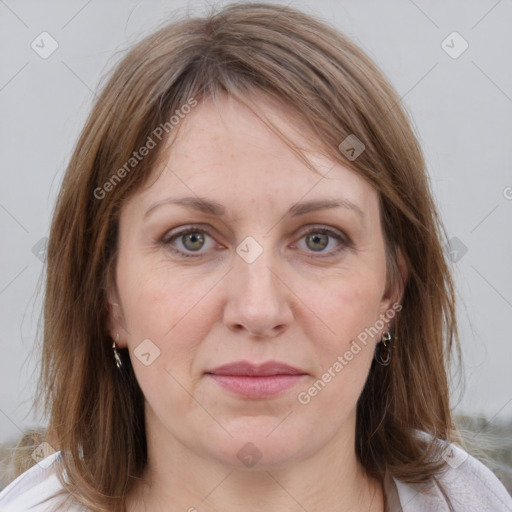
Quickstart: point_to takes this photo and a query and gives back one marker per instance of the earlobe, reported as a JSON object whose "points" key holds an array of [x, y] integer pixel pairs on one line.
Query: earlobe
{"points": [[396, 280], [112, 317], [116, 326], [403, 273], [115, 319]]}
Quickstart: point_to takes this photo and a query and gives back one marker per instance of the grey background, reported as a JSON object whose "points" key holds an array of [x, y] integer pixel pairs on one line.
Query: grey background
{"points": [[461, 109]]}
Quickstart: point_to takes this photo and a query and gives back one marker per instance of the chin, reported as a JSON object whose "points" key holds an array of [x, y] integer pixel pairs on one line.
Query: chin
{"points": [[256, 444]]}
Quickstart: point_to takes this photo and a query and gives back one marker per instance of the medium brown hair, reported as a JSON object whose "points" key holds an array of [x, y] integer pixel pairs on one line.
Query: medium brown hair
{"points": [[96, 412]]}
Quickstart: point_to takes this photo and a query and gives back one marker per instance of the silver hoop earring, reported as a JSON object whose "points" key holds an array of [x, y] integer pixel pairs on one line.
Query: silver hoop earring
{"points": [[383, 349], [117, 357]]}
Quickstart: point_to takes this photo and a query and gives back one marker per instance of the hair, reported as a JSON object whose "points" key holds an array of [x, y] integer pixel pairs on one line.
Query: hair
{"points": [[247, 51]]}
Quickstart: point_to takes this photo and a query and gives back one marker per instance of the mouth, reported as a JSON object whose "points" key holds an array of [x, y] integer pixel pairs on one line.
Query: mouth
{"points": [[256, 381]]}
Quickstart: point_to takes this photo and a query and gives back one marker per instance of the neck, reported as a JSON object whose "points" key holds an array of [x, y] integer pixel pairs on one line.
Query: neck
{"points": [[178, 479]]}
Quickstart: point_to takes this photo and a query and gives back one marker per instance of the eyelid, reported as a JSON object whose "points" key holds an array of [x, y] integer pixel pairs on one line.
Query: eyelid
{"points": [[343, 239], [165, 241]]}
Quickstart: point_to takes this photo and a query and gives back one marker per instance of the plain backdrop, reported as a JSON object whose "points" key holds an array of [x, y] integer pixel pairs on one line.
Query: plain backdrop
{"points": [[460, 102]]}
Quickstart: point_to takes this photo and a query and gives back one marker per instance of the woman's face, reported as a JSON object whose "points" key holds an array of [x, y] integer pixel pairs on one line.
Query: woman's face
{"points": [[264, 274]]}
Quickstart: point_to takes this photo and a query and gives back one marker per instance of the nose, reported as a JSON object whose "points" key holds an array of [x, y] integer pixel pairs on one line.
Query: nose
{"points": [[259, 302]]}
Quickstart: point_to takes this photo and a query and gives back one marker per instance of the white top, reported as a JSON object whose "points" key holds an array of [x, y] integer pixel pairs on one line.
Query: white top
{"points": [[471, 486]]}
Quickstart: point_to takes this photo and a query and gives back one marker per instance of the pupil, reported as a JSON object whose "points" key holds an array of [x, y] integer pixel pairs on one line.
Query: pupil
{"points": [[319, 237], [197, 240], [194, 238]]}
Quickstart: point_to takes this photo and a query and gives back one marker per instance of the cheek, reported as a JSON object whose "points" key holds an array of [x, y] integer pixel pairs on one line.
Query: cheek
{"points": [[343, 360], [347, 307], [173, 311], [159, 299]]}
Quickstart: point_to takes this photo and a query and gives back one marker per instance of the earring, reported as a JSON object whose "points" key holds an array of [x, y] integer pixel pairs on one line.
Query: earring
{"points": [[383, 349], [117, 357]]}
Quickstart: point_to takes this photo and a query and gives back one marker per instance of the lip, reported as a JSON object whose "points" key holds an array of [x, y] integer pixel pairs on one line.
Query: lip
{"points": [[248, 369], [256, 381]]}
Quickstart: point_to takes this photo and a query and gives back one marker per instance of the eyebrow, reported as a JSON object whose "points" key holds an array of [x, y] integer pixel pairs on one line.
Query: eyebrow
{"points": [[210, 207]]}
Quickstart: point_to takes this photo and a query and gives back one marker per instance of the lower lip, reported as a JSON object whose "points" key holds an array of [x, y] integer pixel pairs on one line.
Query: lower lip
{"points": [[257, 387]]}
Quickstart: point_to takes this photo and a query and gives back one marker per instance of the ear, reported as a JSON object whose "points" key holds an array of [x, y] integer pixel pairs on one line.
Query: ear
{"points": [[115, 317], [397, 275]]}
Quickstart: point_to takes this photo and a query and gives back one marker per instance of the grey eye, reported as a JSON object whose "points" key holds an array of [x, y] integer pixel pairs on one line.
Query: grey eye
{"points": [[193, 241], [317, 241]]}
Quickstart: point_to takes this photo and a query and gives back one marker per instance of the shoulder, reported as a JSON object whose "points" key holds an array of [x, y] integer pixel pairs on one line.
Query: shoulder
{"points": [[468, 484], [37, 490]]}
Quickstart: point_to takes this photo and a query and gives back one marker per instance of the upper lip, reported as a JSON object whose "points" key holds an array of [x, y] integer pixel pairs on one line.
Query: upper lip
{"points": [[256, 370]]}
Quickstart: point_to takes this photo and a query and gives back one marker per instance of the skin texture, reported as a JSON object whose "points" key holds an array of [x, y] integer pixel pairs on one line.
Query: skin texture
{"points": [[298, 302]]}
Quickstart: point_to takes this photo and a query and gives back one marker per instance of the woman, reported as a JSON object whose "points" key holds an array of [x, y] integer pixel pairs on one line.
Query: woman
{"points": [[247, 304]]}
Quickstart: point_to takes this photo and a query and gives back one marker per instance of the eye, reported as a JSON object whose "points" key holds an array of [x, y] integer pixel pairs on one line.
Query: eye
{"points": [[192, 239], [318, 238], [189, 240]]}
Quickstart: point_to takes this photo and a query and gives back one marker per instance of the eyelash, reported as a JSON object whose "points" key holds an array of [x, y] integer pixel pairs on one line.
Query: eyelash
{"points": [[344, 241]]}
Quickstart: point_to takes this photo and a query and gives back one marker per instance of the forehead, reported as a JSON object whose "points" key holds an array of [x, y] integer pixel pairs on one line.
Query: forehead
{"points": [[223, 150]]}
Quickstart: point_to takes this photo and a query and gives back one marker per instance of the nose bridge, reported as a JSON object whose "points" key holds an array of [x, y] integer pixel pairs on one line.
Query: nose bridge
{"points": [[258, 301], [255, 259]]}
